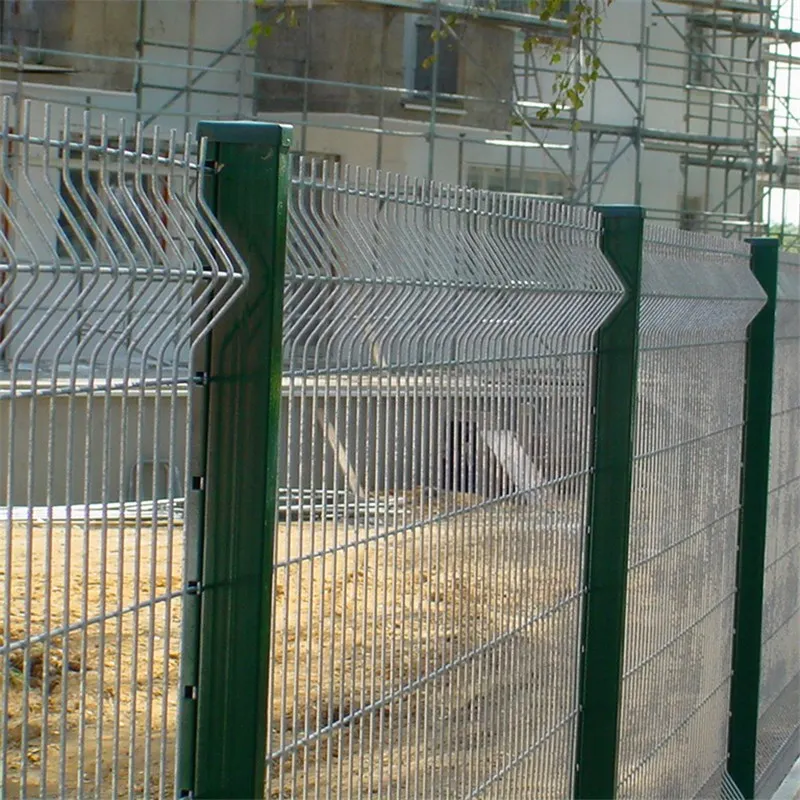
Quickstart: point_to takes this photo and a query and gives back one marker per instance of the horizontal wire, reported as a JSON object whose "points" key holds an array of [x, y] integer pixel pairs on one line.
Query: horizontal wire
{"points": [[491, 644], [58, 632]]}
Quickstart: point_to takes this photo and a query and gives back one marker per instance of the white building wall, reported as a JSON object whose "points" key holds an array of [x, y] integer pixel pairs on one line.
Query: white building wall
{"points": [[177, 36]]}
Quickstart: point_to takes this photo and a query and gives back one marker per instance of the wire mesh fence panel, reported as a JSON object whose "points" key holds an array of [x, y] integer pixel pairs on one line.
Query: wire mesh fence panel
{"points": [[698, 297], [779, 698], [111, 272], [428, 572]]}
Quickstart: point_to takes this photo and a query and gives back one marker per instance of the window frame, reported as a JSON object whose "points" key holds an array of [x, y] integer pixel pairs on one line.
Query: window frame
{"points": [[449, 54]]}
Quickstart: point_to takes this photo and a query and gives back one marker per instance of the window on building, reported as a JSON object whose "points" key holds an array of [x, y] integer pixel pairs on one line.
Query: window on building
{"points": [[692, 218], [701, 57], [447, 66], [499, 179]]}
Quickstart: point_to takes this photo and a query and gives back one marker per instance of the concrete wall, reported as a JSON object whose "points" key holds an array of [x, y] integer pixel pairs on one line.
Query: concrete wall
{"points": [[378, 444], [67, 429], [99, 27]]}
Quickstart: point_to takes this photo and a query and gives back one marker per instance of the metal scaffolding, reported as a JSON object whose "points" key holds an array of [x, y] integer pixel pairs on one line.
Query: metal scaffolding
{"points": [[732, 96]]}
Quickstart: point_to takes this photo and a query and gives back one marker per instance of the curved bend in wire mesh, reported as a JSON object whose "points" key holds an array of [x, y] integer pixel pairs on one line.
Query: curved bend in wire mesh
{"points": [[111, 271], [778, 742], [693, 282], [104, 236], [698, 299], [438, 347]]}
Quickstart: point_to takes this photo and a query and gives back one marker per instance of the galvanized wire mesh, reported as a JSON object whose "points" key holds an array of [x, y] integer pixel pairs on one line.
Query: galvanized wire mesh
{"points": [[436, 420], [698, 296], [111, 271], [779, 697]]}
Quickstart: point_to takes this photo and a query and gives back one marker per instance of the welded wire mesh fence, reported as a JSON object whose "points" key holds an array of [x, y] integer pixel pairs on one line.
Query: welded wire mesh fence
{"points": [[779, 696], [449, 361], [111, 271], [428, 570], [698, 296]]}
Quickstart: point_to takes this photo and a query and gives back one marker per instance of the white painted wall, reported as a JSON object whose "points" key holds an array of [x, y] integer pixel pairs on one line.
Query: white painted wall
{"points": [[200, 24]]}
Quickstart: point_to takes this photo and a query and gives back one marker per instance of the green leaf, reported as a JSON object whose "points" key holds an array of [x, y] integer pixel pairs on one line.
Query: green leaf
{"points": [[555, 58]]}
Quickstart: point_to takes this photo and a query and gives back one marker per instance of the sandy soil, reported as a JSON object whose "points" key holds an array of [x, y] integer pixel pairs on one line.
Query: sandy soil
{"points": [[427, 662], [410, 660], [97, 679]]}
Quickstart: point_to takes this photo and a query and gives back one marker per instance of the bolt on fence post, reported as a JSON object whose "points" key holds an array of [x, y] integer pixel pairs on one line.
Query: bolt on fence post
{"points": [[754, 494], [248, 195], [609, 513]]}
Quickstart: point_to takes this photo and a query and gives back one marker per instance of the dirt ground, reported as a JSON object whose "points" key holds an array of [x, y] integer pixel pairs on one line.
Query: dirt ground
{"points": [[104, 681], [427, 661], [409, 660]]}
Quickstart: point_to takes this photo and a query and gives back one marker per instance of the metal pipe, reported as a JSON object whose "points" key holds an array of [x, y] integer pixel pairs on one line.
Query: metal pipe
{"points": [[724, 5], [190, 60], [242, 62], [382, 97], [138, 70], [644, 35], [552, 26], [307, 73], [437, 25]]}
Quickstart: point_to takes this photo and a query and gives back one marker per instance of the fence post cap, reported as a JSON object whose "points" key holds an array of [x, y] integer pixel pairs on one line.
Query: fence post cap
{"points": [[764, 241], [246, 132], [621, 210]]}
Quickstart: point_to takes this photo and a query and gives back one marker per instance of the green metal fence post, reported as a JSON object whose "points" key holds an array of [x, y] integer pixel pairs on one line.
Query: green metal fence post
{"points": [[743, 724], [249, 197], [609, 513]]}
